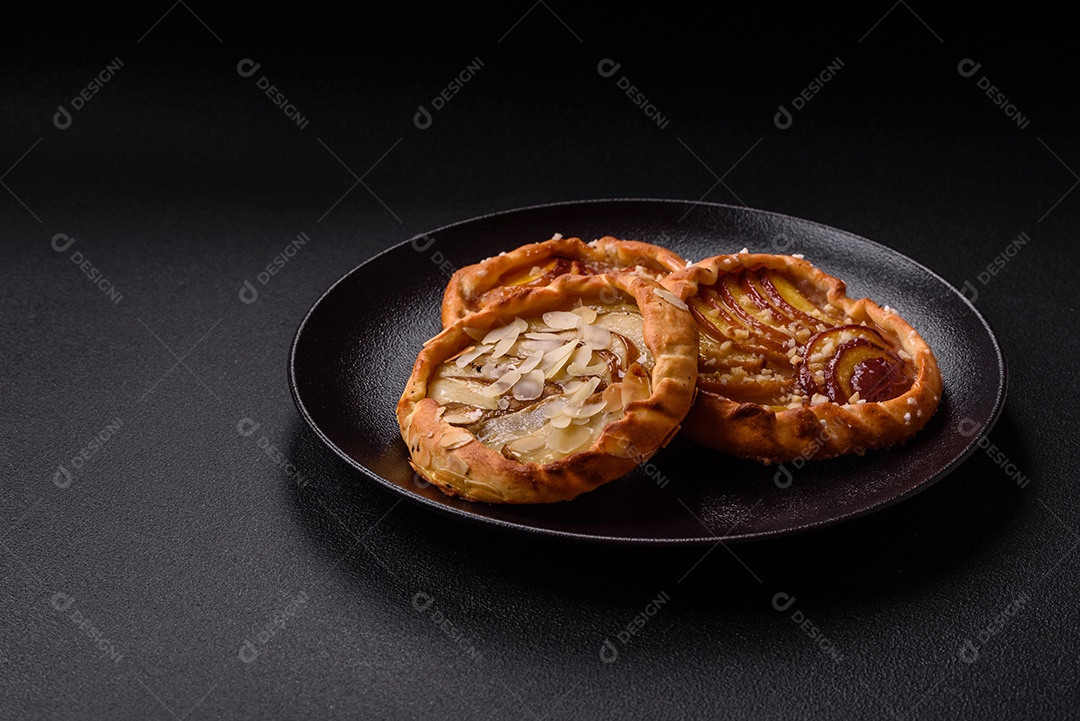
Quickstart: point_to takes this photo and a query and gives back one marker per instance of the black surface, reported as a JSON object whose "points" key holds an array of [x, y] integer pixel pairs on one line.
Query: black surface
{"points": [[347, 370], [180, 538]]}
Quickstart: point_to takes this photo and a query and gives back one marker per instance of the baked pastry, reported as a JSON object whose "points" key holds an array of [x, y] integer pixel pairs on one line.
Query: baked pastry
{"points": [[538, 264], [790, 367], [546, 394]]}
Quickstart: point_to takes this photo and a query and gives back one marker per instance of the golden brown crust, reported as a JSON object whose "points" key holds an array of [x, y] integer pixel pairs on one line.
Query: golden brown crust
{"points": [[474, 286], [825, 430], [477, 472]]}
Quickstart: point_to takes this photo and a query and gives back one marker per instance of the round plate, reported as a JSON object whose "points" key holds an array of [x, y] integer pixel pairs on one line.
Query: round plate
{"points": [[354, 351]]}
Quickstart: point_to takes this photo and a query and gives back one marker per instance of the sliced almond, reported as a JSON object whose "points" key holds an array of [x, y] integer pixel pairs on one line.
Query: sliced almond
{"points": [[582, 356], [503, 346], [495, 335], [586, 411], [456, 465], [531, 346], [531, 362], [448, 390], [463, 418], [476, 333], [587, 314], [596, 337], [530, 387], [613, 398], [634, 388], [472, 354], [554, 408], [561, 421], [503, 384], [527, 444], [554, 360], [566, 440], [456, 438], [595, 369], [583, 392], [670, 298], [561, 320]]}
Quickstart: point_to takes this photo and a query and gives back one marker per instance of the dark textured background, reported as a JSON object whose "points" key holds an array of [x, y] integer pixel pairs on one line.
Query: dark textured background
{"points": [[179, 538]]}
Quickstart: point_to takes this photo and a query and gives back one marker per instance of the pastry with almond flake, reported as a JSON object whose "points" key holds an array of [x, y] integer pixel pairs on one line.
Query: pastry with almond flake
{"points": [[549, 393]]}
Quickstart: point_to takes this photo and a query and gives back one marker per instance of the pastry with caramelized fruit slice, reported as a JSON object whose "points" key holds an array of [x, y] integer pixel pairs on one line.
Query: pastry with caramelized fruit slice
{"points": [[549, 393], [539, 264], [790, 367]]}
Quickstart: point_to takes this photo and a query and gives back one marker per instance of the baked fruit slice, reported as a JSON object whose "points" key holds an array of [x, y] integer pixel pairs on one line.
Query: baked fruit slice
{"points": [[547, 394], [538, 264], [790, 367]]}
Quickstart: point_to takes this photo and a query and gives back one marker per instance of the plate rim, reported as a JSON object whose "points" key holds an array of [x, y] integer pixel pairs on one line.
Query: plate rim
{"points": [[568, 536]]}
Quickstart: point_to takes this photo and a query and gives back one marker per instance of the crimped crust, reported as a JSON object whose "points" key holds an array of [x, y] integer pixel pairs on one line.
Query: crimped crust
{"points": [[811, 431], [474, 286], [475, 471]]}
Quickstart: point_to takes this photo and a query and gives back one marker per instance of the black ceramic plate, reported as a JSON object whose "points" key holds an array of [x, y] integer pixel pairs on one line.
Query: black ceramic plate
{"points": [[354, 351]]}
